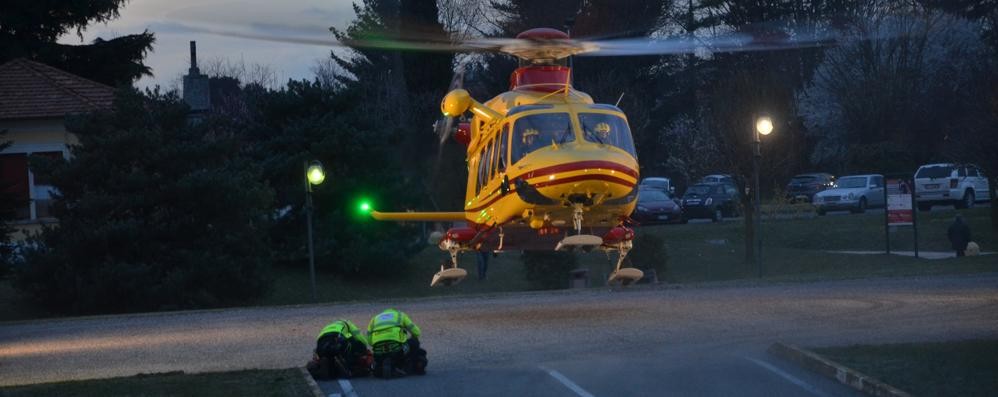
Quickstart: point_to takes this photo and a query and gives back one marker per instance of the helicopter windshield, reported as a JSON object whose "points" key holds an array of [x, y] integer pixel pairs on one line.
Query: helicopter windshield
{"points": [[607, 129], [539, 130]]}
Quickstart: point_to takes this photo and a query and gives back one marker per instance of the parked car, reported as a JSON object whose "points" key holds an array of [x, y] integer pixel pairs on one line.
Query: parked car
{"points": [[803, 187], [663, 184], [656, 206], [710, 200], [855, 193], [717, 178], [959, 184]]}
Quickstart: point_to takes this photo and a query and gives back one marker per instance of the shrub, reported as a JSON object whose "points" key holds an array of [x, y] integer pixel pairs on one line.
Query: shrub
{"points": [[154, 213], [649, 252], [548, 269]]}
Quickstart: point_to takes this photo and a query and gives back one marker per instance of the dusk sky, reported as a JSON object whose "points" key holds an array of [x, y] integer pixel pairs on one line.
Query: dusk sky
{"points": [[177, 22]]}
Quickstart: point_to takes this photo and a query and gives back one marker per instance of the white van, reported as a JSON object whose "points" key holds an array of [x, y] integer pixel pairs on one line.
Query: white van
{"points": [[959, 184]]}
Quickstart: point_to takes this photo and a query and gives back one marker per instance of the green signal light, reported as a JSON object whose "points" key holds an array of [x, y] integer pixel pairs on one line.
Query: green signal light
{"points": [[365, 207]]}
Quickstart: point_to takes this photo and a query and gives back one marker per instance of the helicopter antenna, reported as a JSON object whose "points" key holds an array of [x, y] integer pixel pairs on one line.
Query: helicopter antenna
{"points": [[618, 99]]}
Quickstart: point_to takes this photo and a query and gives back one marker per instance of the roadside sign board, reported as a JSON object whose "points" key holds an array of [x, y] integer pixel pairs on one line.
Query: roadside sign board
{"points": [[899, 203]]}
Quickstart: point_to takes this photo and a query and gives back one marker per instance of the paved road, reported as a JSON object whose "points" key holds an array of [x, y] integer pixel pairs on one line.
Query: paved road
{"points": [[691, 341]]}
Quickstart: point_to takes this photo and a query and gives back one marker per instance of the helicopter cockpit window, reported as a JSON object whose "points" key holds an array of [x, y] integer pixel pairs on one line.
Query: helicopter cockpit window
{"points": [[540, 130], [607, 129]]}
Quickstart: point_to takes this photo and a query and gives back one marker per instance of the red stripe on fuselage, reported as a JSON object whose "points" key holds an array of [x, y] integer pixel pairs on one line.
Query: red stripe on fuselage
{"points": [[576, 166], [572, 179]]}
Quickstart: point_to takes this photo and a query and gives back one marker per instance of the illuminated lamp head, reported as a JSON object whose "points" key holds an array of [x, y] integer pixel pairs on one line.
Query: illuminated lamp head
{"points": [[315, 174]]}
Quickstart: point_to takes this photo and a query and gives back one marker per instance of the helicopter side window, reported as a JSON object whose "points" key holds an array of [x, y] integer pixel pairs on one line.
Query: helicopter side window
{"points": [[495, 157], [487, 164], [503, 149], [481, 167], [607, 129], [536, 131]]}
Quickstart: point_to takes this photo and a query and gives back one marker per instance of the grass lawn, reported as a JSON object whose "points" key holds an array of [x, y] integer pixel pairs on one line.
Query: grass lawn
{"points": [[796, 248], [793, 250], [965, 368], [280, 382]]}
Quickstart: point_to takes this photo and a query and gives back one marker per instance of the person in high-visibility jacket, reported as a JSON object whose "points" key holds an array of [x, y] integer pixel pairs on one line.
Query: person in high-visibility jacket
{"points": [[340, 351], [394, 335]]}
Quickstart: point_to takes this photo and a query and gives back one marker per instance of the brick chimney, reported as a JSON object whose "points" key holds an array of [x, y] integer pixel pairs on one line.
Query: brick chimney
{"points": [[196, 92]]}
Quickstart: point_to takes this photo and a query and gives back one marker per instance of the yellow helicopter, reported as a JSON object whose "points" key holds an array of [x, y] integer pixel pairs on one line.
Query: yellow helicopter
{"points": [[548, 168]]}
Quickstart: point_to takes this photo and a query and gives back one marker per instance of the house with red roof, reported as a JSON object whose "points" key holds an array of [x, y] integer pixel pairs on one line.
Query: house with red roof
{"points": [[34, 102]]}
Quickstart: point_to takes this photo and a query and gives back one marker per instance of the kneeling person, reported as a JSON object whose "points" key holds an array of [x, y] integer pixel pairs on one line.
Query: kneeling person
{"points": [[340, 352], [395, 341]]}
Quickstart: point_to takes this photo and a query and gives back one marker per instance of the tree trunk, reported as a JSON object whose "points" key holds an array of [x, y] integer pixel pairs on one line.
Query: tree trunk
{"points": [[993, 185], [749, 217]]}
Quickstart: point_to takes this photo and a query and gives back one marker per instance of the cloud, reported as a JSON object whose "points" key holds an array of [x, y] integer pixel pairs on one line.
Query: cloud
{"points": [[177, 22]]}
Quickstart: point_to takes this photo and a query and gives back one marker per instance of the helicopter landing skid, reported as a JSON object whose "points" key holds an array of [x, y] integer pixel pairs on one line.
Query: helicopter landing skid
{"points": [[449, 273], [584, 242], [626, 276], [448, 277]]}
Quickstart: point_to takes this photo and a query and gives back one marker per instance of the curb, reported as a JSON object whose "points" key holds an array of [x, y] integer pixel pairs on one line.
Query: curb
{"points": [[314, 387], [844, 375]]}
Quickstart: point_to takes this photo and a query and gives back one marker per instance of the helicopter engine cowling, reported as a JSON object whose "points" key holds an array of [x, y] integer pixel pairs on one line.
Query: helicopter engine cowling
{"points": [[463, 133], [458, 237], [618, 235]]}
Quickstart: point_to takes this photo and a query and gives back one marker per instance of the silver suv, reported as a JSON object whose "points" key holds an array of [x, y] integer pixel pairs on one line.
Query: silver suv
{"points": [[959, 184]]}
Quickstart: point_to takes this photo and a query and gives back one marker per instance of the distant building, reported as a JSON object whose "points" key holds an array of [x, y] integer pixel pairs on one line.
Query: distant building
{"points": [[197, 91], [34, 102]]}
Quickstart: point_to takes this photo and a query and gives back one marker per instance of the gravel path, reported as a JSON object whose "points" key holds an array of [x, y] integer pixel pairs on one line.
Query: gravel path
{"points": [[522, 332]]}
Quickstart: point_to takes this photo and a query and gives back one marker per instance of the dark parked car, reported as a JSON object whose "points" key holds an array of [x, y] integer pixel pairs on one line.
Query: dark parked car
{"points": [[717, 178], [663, 184], [804, 186], [656, 206], [710, 200]]}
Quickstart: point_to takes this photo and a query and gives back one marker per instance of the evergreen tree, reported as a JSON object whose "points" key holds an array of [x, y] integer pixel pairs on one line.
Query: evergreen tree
{"points": [[310, 121], [30, 29], [154, 213]]}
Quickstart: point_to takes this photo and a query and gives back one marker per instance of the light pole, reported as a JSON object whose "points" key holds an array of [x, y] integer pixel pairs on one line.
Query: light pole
{"points": [[763, 126], [314, 175]]}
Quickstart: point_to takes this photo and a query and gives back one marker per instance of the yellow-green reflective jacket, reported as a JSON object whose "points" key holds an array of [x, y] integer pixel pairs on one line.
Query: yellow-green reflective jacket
{"points": [[343, 327], [391, 325]]}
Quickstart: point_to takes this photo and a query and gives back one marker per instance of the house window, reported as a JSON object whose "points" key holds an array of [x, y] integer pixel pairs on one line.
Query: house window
{"points": [[34, 191], [41, 188], [14, 181]]}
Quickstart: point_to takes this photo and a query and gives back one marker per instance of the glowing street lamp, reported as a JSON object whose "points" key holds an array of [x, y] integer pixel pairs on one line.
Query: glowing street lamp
{"points": [[314, 175], [763, 126]]}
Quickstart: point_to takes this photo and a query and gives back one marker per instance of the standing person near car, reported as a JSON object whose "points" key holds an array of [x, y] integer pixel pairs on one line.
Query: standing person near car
{"points": [[959, 235], [340, 352], [395, 337]]}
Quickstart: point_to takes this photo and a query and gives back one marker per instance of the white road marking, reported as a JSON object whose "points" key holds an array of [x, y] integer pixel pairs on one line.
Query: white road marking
{"points": [[347, 388], [567, 382], [788, 377]]}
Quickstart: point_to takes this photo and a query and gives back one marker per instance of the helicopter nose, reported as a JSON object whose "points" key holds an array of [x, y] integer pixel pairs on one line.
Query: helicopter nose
{"points": [[583, 181]]}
